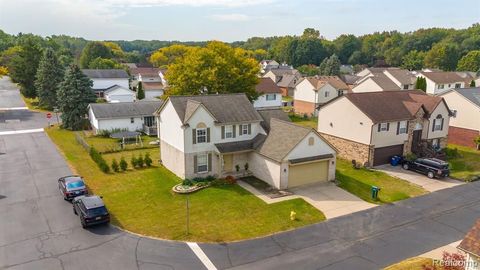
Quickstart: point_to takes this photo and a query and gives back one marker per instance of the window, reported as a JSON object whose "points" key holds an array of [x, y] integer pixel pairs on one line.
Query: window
{"points": [[327, 93], [132, 120], [228, 132], [311, 141], [405, 87], [202, 163], [402, 127], [441, 86], [435, 143], [149, 121], [438, 123], [243, 129], [201, 135], [271, 97], [383, 127], [458, 85]]}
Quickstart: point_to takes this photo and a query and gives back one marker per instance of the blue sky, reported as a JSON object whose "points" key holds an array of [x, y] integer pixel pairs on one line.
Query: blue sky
{"points": [[229, 20]]}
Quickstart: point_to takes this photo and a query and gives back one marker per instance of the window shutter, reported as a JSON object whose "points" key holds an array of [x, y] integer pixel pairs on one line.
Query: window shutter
{"points": [[379, 126], [223, 132], [441, 125], [433, 126], [388, 126], [398, 128], [209, 162], [249, 129], [194, 136], [208, 134], [195, 167], [234, 127]]}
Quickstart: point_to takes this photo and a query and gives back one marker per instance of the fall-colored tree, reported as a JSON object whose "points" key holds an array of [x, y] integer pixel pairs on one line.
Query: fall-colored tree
{"points": [[168, 55]]}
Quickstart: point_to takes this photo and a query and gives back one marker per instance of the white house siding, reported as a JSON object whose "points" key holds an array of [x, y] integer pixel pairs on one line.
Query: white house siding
{"points": [[170, 127], [332, 93], [172, 158], [153, 94], [265, 169], [441, 109], [434, 88], [121, 123], [93, 119], [99, 83], [304, 92], [343, 119], [120, 95], [467, 113], [271, 75], [387, 138], [263, 102], [367, 85]]}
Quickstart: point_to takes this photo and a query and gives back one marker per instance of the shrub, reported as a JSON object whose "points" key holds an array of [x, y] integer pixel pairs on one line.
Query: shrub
{"points": [[115, 166], [140, 161], [123, 164], [104, 167], [411, 157], [148, 160], [187, 182], [230, 179], [452, 153], [246, 166], [237, 167], [133, 161], [97, 157]]}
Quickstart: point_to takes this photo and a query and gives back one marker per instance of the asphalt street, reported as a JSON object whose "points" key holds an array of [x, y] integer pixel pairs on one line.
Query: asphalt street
{"points": [[38, 229]]}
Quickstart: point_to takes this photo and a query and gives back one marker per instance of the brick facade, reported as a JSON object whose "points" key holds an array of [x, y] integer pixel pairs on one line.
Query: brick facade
{"points": [[351, 150], [462, 136], [419, 119], [303, 107]]}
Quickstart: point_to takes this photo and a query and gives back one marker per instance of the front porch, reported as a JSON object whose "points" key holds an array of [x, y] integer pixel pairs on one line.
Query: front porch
{"points": [[234, 164]]}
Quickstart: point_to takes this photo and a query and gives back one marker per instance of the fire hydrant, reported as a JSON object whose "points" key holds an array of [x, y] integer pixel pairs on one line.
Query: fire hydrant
{"points": [[293, 215]]}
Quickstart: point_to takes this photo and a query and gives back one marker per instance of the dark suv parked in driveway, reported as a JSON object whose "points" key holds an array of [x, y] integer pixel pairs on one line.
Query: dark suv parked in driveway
{"points": [[91, 210], [431, 167]]}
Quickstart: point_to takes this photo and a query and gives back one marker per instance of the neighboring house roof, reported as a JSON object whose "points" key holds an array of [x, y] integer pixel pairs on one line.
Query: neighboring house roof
{"points": [[350, 79], [443, 77], [384, 82], [393, 105], [281, 71], [334, 81], [145, 71], [124, 109], [268, 113], [282, 138], [289, 80], [116, 87], [248, 145], [403, 76], [267, 86], [225, 108], [105, 73], [152, 86], [472, 94], [471, 242]]}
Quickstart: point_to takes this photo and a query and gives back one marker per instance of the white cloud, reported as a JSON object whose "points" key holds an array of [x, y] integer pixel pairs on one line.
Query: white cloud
{"points": [[234, 17], [196, 3]]}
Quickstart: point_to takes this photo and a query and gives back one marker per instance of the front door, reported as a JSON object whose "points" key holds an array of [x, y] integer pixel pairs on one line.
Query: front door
{"points": [[227, 163], [416, 138]]}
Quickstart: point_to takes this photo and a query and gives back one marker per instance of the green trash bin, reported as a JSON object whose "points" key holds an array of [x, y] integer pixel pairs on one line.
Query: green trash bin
{"points": [[375, 191]]}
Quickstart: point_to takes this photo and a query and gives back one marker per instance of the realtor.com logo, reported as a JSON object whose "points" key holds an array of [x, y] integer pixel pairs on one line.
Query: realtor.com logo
{"points": [[457, 264]]}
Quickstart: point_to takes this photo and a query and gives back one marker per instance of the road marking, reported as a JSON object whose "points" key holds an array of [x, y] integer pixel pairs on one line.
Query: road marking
{"points": [[201, 255], [14, 109], [23, 131]]}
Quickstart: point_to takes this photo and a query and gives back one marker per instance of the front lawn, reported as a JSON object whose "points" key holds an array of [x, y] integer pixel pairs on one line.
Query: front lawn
{"points": [[416, 263], [466, 164], [307, 122], [360, 181], [32, 104], [141, 201]]}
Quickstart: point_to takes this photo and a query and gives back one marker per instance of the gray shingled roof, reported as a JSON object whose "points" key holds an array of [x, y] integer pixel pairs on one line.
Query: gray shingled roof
{"points": [[281, 139], [384, 82], [269, 113], [124, 109], [472, 94], [115, 87], [248, 145], [402, 75], [443, 77], [289, 80], [225, 108], [105, 73]]}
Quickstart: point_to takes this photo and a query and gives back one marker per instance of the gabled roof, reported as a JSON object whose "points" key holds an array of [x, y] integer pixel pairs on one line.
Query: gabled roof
{"points": [[350, 79], [152, 86], [392, 106], [266, 86], [269, 113], [116, 87], [384, 82], [281, 71], [471, 242], [225, 108], [443, 77], [145, 71], [289, 80], [334, 81], [248, 145], [124, 109], [403, 76], [472, 94], [105, 73]]}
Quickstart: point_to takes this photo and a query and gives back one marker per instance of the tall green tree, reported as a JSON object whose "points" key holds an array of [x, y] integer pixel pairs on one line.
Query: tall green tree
{"points": [[310, 33], [306, 51], [330, 66], [74, 95], [413, 60], [421, 83], [103, 63], [345, 45], [443, 56], [217, 68], [48, 78], [140, 91], [92, 51], [23, 65], [470, 62], [308, 70]]}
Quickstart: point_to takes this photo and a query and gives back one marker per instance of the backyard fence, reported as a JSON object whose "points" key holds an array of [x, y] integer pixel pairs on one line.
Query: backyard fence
{"points": [[82, 141]]}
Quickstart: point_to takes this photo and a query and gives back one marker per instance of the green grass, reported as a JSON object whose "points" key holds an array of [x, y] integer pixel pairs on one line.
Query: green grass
{"points": [[32, 104], [359, 182], [466, 165], [111, 145], [309, 122], [141, 201], [416, 263]]}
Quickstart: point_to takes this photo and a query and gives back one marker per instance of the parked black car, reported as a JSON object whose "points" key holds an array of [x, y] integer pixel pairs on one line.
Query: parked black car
{"points": [[91, 210], [431, 167], [72, 186]]}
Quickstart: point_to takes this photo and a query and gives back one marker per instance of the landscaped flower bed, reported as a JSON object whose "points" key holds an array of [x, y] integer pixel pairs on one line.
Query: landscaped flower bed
{"points": [[184, 189]]}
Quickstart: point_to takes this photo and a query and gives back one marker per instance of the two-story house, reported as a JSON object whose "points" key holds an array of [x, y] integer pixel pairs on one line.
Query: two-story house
{"points": [[224, 135], [465, 122], [374, 82], [438, 82], [269, 93], [312, 92], [104, 79], [374, 126], [152, 80]]}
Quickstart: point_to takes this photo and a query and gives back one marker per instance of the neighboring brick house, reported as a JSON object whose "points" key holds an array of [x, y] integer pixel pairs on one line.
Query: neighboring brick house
{"points": [[471, 246], [465, 122], [213, 134], [371, 127], [270, 94], [312, 92]]}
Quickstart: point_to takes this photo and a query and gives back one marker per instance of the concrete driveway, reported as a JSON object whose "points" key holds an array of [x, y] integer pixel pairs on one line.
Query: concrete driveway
{"points": [[331, 200], [428, 184]]}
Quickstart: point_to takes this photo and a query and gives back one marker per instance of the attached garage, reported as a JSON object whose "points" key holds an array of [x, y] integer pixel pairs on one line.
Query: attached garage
{"points": [[382, 155], [302, 173]]}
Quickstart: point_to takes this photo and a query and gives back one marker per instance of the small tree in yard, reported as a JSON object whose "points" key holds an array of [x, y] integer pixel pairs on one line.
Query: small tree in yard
{"points": [[421, 83], [148, 160], [115, 166], [140, 91], [140, 161], [123, 164], [133, 161], [74, 95]]}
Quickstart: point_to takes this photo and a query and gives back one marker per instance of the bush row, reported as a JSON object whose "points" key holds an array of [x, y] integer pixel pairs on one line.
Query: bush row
{"points": [[97, 157]]}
